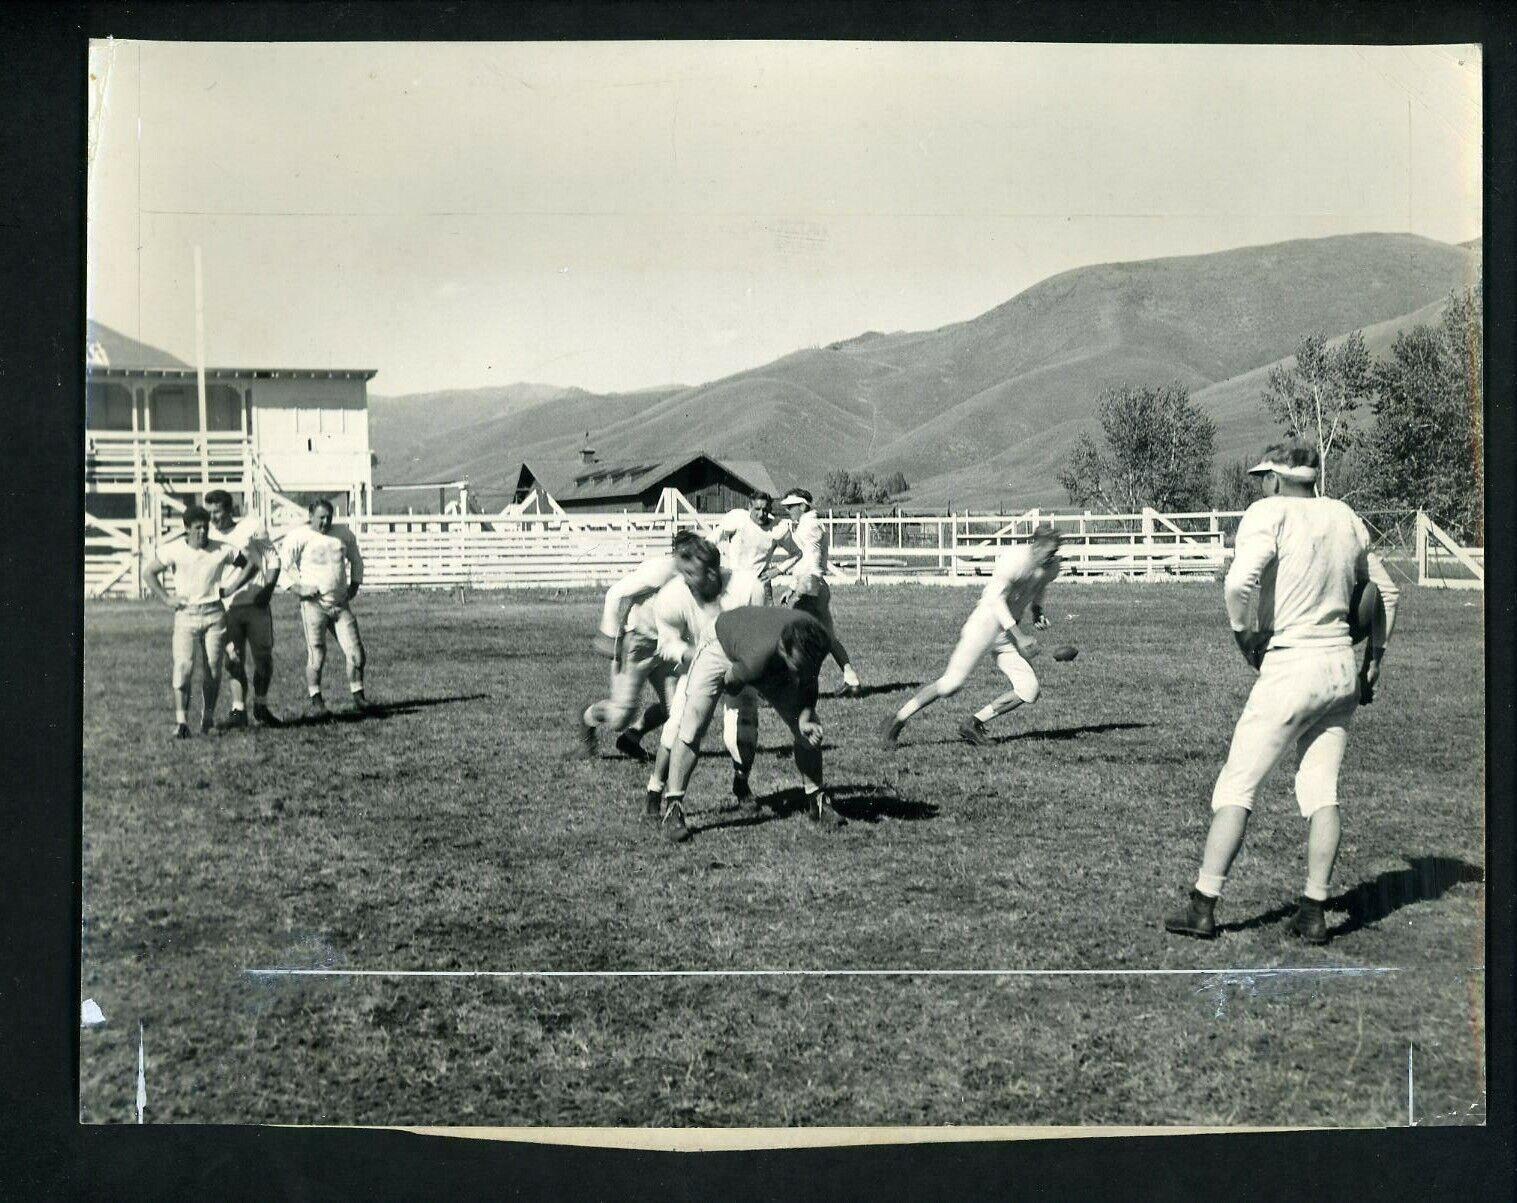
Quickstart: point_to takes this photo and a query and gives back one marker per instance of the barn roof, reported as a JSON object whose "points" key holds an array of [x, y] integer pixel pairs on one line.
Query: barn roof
{"points": [[573, 480]]}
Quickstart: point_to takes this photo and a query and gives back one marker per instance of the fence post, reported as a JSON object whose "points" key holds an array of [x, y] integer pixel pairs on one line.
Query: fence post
{"points": [[953, 531], [940, 545], [1421, 545], [858, 545]]}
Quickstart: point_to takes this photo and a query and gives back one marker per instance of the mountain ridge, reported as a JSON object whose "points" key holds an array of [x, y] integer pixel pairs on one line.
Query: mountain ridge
{"points": [[981, 410]]}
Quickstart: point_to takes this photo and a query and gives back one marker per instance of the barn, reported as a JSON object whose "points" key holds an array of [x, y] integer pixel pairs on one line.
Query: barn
{"points": [[711, 485]]}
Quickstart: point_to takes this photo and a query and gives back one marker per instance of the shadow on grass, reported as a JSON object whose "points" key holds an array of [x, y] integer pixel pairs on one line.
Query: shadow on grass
{"points": [[856, 803], [869, 691], [1425, 879], [377, 710], [1050, 733]]}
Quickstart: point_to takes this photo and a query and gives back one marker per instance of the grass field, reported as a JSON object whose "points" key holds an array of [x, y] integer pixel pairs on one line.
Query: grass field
{"points": [[450, 833]]}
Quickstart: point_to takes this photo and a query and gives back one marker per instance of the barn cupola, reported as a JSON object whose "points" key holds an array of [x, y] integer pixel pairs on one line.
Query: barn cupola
{"points": [[587, 452]]}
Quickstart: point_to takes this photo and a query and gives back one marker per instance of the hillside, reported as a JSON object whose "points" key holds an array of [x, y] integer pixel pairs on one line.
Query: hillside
{"points": [[473, 433], [979, 412]]}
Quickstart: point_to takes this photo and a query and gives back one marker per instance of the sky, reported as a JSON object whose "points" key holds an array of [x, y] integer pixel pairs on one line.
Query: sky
{"points": [[627, 215]]}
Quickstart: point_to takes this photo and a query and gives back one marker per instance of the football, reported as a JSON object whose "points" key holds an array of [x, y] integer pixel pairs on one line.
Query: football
{"points": [[1065, 651], [1363, 607]]}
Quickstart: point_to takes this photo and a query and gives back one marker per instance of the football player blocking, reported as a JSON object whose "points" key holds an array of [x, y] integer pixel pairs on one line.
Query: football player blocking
{"points": [[1302, 559], [1017, 584], [778, 653], [651, 622]]}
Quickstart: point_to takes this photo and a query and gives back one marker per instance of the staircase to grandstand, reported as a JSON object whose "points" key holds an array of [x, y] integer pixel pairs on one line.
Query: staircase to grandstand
{"points": [[163, 474]]}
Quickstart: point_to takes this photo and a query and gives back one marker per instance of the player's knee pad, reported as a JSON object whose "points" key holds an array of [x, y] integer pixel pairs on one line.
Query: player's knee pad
{"points": [[1315, 791], [1230, 791], [950, 683], [1029, 690]]}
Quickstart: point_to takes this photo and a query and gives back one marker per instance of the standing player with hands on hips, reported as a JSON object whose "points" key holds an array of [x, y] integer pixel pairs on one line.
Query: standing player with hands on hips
{"points": [[199, 606], [1299, 559], [326, 570], [1017, 584]]}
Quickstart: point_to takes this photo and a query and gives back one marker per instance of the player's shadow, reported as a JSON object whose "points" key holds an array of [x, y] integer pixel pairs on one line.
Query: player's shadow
{"points": [[856, 803], [1048, 733], [1425, 879], [377, 710], [869, 691]]}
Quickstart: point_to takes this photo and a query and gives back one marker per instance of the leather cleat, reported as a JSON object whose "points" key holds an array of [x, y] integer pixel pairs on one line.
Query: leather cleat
{"points": [[972, 731], [1198, 918], [1310, 922]]}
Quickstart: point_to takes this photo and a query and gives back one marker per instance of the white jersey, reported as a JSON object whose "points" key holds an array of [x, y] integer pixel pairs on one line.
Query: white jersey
{"points": [[749, 546], [807, 538], [198, 571], [251, 537], [1296, 562], [679, 620], [624, 598], [1016, 582], [328, 563]]}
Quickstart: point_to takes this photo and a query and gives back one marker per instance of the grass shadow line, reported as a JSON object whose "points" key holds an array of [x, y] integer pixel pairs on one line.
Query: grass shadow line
{"points": [[1425, 879], [1053, 733]]}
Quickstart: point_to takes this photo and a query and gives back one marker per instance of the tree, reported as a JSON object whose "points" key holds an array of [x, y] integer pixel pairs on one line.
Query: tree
{"points": [[1158, 452], [1315, 397], [1235, 488], [841, 487], [1428, 433], [896, 484]]}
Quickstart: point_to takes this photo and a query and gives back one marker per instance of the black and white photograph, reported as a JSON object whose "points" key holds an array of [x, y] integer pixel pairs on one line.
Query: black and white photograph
{"points": [[696, 594]]}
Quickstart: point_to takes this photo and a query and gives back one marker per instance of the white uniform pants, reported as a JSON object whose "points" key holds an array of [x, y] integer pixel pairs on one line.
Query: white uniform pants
{"points": [[982, 634], [1305, 696]]}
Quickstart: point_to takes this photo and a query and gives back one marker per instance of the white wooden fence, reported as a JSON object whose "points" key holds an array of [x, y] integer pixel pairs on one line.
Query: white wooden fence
{"points": [[553, 548], [1442, 563]]}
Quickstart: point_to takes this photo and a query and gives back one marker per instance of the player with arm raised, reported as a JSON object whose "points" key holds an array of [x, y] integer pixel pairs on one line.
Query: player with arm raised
{"points": [[628, 636], [250, 624], [1017, 584], [326, 570], [1299, 559], [805, 546], [200, 590], [779, 653]]}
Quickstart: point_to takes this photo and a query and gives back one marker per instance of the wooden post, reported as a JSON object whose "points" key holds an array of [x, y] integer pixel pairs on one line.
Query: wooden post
{"points": [[953, 530], [205, 449], [1421, 547], [858, 546], [940, 546]]}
